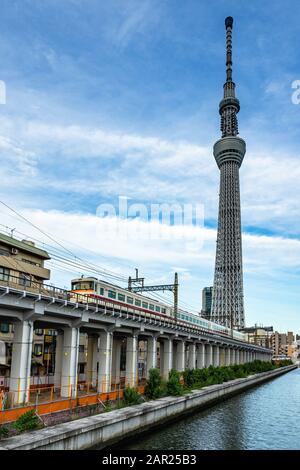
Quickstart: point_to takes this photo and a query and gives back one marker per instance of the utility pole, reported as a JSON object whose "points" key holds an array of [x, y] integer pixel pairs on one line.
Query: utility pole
{"points": [[136, 280]]}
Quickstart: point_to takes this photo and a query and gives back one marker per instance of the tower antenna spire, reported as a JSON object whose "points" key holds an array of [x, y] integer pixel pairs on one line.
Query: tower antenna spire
{"points": [[229, 106], [228, 26]]}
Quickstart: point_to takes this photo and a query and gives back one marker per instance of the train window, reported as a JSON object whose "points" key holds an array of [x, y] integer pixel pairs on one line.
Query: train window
{"points": [[83, 286], [137, 302], [163, 310], [121, 297], [130, 300], [145, 304], [4, 327], [151, 306], [111, 294], [157, 308]]}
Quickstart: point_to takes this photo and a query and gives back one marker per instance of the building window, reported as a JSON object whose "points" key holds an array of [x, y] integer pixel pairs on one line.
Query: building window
{"points": [[145, 304], [4, 274], [121, 297], [137, 302], [157, 308], [130, 300], [39, 332], [4, 327], [81, 348], [24, 280], [101, 291], [163, 310], [81, 367], [151, 306], [112, 294], [4, 252], [38, 349]]}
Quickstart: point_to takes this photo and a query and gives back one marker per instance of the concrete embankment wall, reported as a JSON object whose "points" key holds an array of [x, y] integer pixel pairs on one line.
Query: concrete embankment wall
{"points": [[108, 428]]}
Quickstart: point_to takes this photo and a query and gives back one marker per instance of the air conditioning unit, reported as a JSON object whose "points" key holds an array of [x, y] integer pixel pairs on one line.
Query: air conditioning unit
{"points": [[14, 251]]}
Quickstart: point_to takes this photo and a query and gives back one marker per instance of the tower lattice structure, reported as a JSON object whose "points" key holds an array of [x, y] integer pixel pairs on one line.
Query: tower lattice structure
{"points": [[229, 151]]}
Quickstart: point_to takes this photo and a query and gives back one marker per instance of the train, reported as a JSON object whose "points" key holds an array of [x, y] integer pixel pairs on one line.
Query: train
{"points": [[94, 288]]}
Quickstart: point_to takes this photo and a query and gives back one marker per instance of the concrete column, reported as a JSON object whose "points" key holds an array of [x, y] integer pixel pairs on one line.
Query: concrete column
{"points": [[21, 362], [222, 357], [192, 356], [237, 356], [58, 360], [92, 360], [216, 356], [70, 363], [116, 362], [167, 357], [233, 356], [105, 362], [131, 361], [209, 355], [151, 353], [201, 356], [180, 356], [227, 356]]}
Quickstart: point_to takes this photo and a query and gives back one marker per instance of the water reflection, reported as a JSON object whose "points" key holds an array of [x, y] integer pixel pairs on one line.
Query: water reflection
{"points": [[266, 417]]}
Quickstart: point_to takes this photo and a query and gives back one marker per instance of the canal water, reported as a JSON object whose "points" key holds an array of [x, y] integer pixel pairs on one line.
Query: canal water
{"points": [[264, 417]]}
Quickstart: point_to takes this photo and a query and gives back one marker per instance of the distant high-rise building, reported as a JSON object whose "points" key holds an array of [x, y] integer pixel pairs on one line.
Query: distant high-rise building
{"points": [[260, 335], [206, 302], [229, 151], [283, 343]]}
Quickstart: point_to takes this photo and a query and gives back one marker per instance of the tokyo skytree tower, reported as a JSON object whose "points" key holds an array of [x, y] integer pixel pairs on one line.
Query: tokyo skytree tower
{"points": [[229, 151]]}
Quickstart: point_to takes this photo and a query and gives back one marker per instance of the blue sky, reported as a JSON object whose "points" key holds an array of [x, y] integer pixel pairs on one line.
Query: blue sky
{"points": [[120, 98]]}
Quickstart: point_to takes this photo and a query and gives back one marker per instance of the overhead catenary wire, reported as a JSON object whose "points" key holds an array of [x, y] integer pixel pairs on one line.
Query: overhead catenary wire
{"points": [[79, 263]]}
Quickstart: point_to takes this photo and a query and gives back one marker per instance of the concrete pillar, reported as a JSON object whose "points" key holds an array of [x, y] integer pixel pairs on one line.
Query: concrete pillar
{"points": [[58, 360], [216, 356], [131, 361], [209, 355], [227, 356], [70, 363], [151, 353], [180, 356], [92, 360], [116, 362], [21, 362], [222, 357], [232, 358], [237, 356], [167, 357], [201, 356], [192, 356], [105, 362]]}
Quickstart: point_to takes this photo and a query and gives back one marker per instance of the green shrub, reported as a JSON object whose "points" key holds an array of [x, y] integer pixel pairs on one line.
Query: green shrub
{"points": [[189, 377], [4, 432], [27, 422], [174, 387], [131, 396], [155, 387]]}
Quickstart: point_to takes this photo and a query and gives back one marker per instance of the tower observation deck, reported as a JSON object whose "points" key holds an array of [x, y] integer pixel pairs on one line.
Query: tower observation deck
{"points": [[229, 151]]}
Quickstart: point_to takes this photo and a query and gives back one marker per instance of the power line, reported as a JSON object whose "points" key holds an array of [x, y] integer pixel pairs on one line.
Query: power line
{"points": [[81, 263]]}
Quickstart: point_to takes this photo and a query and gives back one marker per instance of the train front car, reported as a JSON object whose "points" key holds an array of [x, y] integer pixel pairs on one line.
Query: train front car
{"points": [[83, 289]]}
